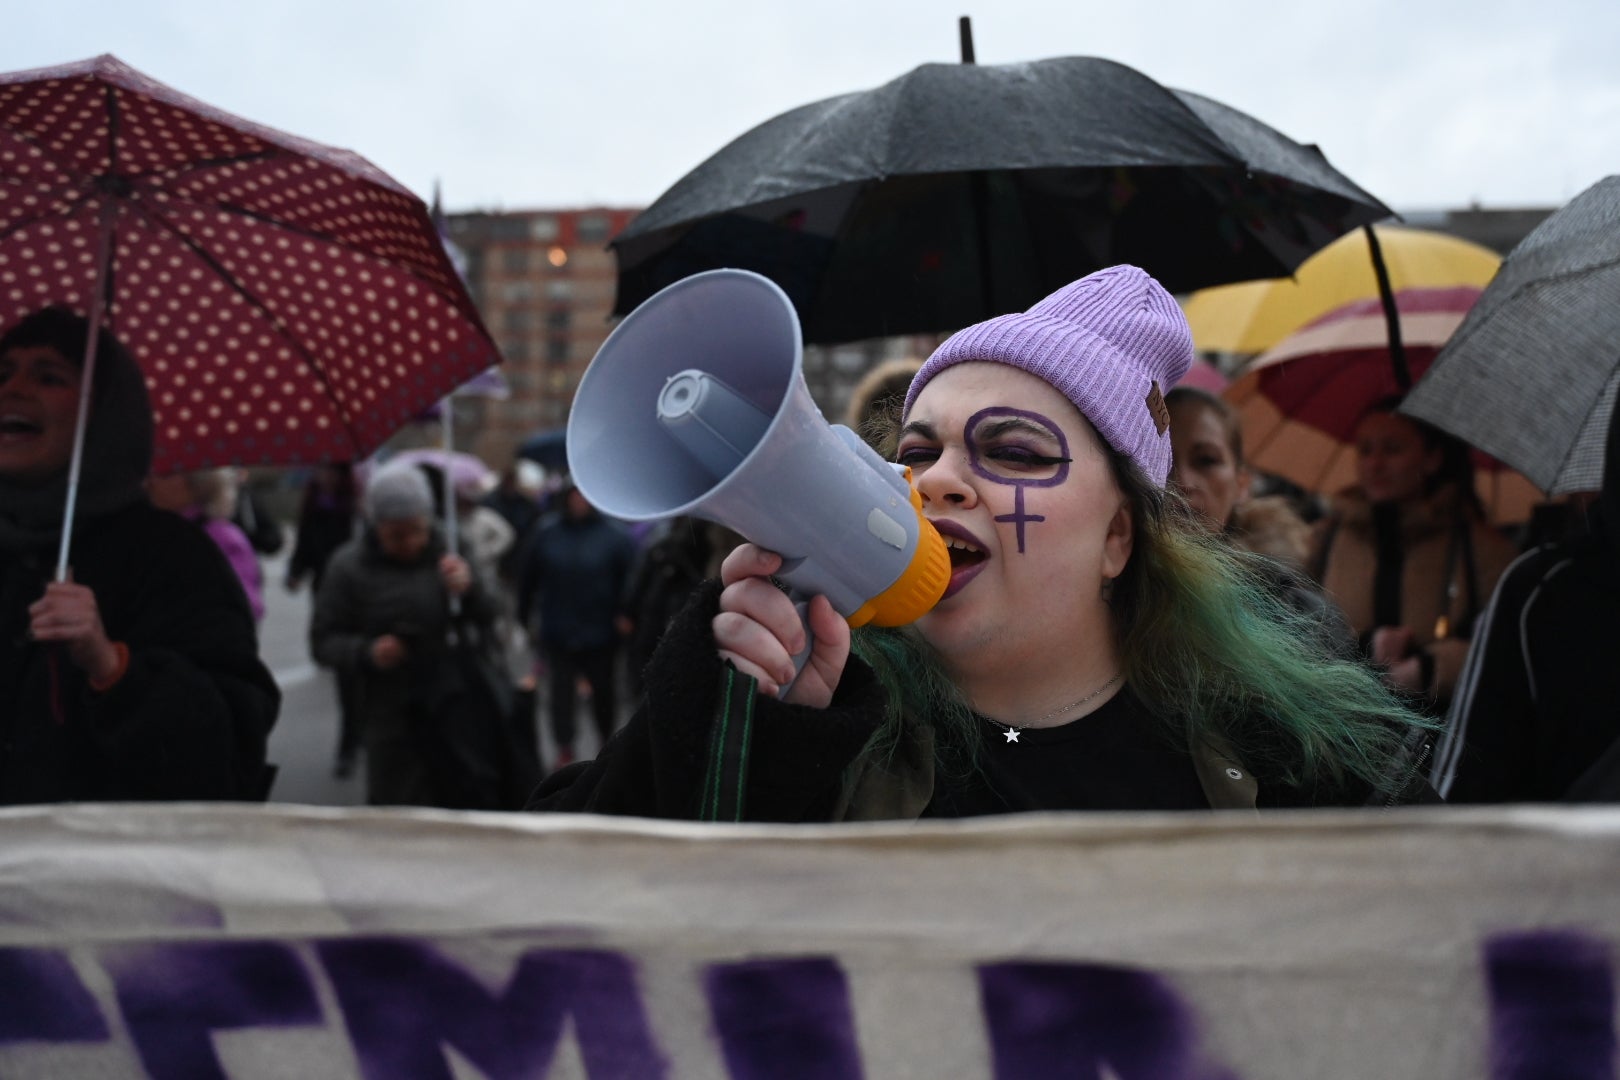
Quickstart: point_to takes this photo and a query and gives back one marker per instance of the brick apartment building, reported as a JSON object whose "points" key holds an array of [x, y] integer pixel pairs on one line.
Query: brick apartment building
{"points": [[544, 281]]}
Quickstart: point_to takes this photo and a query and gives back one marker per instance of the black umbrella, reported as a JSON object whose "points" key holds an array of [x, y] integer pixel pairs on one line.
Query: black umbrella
{"points": [[1531, 375], [959, 191], [547, 448]]}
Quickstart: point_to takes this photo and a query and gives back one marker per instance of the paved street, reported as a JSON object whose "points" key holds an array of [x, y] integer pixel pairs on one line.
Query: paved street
{"points": [[305, 738]]}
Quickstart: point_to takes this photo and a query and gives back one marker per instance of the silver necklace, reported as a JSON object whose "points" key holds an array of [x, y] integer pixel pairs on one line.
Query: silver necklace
{"points": [[1011, 733]]}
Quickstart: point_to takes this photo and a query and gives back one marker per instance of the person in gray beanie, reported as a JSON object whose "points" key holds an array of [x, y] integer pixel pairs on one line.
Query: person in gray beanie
{"points": [[397, 493], [383, 614], [1094, 649]]}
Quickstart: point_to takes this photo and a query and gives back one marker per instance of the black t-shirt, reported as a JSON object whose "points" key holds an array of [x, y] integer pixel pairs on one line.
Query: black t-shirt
{"points": [[1116, 758]]}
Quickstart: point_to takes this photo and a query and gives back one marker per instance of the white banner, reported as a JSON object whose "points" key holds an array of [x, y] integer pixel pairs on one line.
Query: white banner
{"points": [[225, 941]]}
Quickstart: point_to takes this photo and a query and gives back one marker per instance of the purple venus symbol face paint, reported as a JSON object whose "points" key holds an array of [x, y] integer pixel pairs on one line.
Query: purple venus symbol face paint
{"points": [[1005, 446]]}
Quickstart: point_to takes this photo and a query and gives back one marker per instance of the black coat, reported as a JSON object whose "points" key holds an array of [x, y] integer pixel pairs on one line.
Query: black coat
{"points": [[656, 765], [1536, 716], [573, 577], [365, 595], [191, 716], [1538, 702], [322, 529], [703, 745]]}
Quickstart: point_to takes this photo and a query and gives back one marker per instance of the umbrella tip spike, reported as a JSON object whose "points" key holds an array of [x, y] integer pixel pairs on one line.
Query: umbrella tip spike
{"points": [[964, 32]]}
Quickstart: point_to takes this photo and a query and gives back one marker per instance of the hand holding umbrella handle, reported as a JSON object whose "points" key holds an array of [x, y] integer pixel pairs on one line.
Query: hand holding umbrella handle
{"points": [[69, 615]]}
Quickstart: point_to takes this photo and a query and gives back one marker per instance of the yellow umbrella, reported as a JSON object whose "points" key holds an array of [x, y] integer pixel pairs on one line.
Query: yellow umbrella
{"points": [[1252, 316]]}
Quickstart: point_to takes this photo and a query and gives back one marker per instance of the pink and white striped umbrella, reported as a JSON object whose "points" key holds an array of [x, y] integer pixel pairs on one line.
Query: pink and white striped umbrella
{"points": [[288, 302], [1300, 402]]}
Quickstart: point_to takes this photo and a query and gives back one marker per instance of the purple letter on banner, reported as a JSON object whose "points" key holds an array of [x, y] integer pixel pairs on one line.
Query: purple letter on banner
{"points": [[174, 996], [784, 1020], [1070, 1020], [1552, 1007], [403, 1000], [42, 1000]]}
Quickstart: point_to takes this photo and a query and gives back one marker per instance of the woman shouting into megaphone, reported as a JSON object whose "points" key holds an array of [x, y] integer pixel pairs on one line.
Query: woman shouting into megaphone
{"points": [[1094, 650]]}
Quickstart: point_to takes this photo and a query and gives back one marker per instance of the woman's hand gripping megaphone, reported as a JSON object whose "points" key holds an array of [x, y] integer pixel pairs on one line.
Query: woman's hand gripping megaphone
{"points": [[903, 570], [764, 633]]}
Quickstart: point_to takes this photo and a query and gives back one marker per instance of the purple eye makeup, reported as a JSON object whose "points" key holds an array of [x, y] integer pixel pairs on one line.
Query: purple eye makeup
{"points": [[1019, 448]]}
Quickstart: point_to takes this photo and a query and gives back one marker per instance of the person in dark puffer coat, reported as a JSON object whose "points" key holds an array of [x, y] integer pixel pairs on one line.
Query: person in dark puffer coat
{"points": [[383, 615]]}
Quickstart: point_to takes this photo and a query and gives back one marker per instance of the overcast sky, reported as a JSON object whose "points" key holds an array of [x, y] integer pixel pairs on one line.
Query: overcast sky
{"points": [[521, 104]]}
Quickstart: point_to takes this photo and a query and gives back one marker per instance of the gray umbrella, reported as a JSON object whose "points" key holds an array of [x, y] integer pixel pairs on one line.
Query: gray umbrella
{"points": [[1530, 375], [959, 191]]}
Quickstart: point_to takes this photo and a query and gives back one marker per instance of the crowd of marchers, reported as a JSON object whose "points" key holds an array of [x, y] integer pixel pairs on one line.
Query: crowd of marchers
{"points": [[1134, 619]]}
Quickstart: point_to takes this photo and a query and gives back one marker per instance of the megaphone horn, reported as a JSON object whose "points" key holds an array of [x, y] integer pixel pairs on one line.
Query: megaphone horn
{"points": [[696, 404]]}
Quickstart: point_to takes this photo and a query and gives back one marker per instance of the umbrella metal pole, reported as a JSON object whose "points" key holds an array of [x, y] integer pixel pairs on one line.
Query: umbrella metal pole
{"points": [[87, 378], [447, 421], [1392, 314]]}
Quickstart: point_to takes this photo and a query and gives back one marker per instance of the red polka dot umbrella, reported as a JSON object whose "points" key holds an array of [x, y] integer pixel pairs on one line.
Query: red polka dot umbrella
{"points": [[288, 301]]}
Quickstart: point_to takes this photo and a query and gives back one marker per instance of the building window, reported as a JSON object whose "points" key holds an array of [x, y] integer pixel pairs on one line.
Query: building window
{"points": [[557, 350], [593, 229], [558, 320], [543, 227], [515, 261], [560, 290], [507, 227]]}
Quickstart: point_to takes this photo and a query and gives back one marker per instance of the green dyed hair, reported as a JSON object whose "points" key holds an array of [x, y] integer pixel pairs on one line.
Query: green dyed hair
{"points": [[1209, 649]]}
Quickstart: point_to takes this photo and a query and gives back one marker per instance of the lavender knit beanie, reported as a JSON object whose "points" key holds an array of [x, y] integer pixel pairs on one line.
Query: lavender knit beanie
{"points": [[1112, 343]]}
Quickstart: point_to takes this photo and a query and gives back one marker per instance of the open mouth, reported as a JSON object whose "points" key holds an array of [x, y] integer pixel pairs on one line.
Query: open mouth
{"points": [[18, 426], [968, 556], [963, 552]]}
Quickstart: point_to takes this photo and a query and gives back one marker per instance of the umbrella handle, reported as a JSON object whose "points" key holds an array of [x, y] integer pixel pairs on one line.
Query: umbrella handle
{"points": [[1392, 314]]}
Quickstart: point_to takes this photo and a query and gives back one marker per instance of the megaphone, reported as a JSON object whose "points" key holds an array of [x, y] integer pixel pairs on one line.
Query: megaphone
{"points": [[696, 404]]}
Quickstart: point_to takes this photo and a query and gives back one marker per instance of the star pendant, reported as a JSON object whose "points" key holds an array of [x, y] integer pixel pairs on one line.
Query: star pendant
{"points": [[1011, 734]]}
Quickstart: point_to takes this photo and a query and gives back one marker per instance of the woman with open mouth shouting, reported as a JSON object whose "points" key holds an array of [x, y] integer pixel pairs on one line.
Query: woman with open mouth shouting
{"points": [[139, 676], [1095, 649]]}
